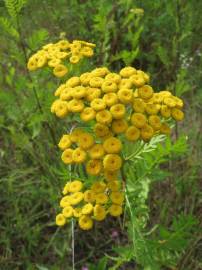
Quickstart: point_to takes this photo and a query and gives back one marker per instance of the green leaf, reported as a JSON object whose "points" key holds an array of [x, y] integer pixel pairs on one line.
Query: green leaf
{"points": [[163, 55], [14, 6], [37, 38], [7, 27]]}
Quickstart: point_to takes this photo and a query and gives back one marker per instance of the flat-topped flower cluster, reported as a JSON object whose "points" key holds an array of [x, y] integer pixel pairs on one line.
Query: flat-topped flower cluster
{"points": [[58, 55]]}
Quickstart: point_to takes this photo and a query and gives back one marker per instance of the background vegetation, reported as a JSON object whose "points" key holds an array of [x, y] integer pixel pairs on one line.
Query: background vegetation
{"points": [[163, 217]]}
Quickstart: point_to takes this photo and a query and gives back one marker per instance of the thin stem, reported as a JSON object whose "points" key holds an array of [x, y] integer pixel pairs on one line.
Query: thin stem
{"points": [[72, 226], [73, 247]]}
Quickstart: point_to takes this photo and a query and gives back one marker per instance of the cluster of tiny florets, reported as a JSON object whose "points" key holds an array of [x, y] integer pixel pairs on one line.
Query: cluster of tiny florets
{"points": [[110, 108], [88, 205], [119, 106], [121, 103], [58, 55]]}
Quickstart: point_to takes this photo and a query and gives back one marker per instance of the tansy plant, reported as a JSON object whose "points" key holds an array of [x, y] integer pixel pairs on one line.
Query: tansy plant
{"points": [[106, 110]]}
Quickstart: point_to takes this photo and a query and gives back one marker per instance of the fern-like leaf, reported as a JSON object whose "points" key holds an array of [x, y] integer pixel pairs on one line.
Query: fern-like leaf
{"points": [[37, 38], [7, 26], [14, 6]]}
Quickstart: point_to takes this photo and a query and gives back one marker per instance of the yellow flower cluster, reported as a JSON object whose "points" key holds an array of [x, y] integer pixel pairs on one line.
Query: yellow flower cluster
{"points": [[118, 106], [57, 55], [98, 157], [118, 103], [89, 205]]}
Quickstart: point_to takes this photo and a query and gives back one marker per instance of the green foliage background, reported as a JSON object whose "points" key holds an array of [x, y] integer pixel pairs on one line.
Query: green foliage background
{"points": [[163, 218]]}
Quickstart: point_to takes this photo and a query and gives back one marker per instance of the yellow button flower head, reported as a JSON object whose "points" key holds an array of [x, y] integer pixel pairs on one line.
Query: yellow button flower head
{"points": [[60, 220], [79, 155], [79, 92], [179, 102], [138, 105], [125, 95], [147, 132], [73, 81], [98, 187], [169, 101], [98, 104], [137, 80], [32, 64], [157, 98], [155, 122], [165, 129], [113, 185], [96, 151], [74, 59], [117, 197], [126, 84], [41, 61], [165, 111], [85, 222], [110, 99], [75, 46], [110, 175], [99, 212], [76, 198], [145, 76], [119, 126], [113, 77], [94, 167], [118, 111], [66, 189], [87, 209], [100, 72], [145, 92], [75, 186], [89, 196], [85, 78], [63, 44], [104, 117], [115, 210], [65, 201], [85, 140], [75, 135], [138, 120], [87, 51], [177, 114], [59, 89], [152, 108], [77, 212], [112, 145], [96, 82], [54, 62], [60, 71], [87, 114], [75, 105], [65, 142], [132, 133], [127, 71], [101, 130], [101, 198], [109, 86], [67, 156], [66, 93], [67, 211], [61, 108], [92, 93], [112, 162]]}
